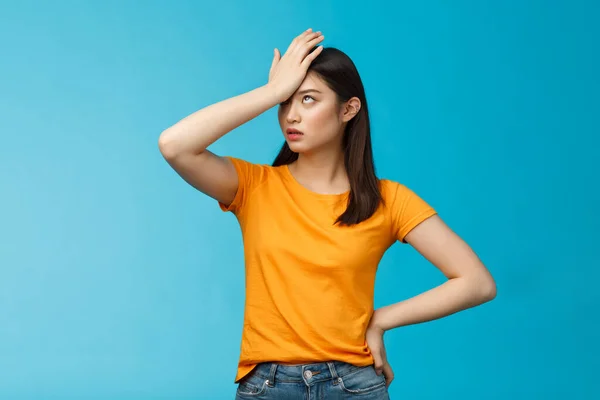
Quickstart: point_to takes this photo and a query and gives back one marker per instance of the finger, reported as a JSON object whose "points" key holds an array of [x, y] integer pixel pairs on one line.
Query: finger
{"points": [[377, 362], [305, 33], [313, 42], [311, 38], [298, 39], [388, 373], [306, 49], [276, 57], [301, 43], [311, 57]]}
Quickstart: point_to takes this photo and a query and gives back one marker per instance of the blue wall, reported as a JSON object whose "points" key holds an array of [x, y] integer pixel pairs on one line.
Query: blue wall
{"points": [[119, 281]]}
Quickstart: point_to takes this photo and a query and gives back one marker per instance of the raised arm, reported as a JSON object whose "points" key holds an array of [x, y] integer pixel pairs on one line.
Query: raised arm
{"points": [[184, 145]]}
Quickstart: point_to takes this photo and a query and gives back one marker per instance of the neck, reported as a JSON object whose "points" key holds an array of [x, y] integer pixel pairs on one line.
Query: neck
{"points": [[323, 172]]}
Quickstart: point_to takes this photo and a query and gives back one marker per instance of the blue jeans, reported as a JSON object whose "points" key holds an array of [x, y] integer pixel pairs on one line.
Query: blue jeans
{"points": [[325, 380]]}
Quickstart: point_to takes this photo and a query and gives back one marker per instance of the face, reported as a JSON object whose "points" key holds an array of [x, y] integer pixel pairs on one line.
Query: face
{"points": [[315, 111]]}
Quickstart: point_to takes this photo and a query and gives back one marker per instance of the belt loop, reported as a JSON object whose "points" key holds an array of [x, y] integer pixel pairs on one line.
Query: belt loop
{"points": [[271, 380], [333, 371]]}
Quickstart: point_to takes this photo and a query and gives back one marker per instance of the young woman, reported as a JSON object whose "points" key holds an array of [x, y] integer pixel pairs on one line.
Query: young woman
{"points": [[315, 225]]}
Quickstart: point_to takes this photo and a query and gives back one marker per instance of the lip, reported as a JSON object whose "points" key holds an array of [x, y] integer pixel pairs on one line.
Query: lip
{"points": [[292, 131]]}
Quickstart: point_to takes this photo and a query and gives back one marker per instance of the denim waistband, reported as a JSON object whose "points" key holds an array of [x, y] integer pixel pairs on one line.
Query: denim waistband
{"points": [[320, 371]]}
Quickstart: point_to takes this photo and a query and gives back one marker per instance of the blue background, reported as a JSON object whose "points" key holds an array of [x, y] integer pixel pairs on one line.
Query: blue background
{"points": [[120, 281]]}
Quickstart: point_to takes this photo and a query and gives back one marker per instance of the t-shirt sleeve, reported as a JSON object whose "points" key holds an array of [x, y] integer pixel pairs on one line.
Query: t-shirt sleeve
{"points": [[249, 177], [407, 211]]}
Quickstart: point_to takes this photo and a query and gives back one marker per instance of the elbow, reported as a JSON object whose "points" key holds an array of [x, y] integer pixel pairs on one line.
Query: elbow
{"points": [[489, 292], [172, 146], [480, 288], [486, 290], [166, 145]]}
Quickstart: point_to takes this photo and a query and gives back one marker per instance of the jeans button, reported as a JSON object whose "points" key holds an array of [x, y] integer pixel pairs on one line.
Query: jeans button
{"points": [[308, 374]]}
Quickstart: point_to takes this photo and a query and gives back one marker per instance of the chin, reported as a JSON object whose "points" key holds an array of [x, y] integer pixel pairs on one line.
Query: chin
{"points": [[296, 147]]}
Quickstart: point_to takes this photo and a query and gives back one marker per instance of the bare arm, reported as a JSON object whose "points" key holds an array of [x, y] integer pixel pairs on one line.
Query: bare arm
{"points": [[469, 282], [184, 145]]}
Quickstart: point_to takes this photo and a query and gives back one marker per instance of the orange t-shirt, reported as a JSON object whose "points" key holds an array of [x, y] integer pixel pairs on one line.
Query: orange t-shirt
{"points": [[310, 283]]}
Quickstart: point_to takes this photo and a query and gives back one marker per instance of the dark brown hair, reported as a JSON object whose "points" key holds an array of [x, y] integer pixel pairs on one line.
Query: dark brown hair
{"points": [[339, 73]]}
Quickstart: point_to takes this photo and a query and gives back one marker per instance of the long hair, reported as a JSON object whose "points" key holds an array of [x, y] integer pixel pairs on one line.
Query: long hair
{"points": [[340, 74]]}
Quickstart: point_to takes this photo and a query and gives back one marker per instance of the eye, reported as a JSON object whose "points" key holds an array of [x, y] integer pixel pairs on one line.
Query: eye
{"points": [[307, 97]]}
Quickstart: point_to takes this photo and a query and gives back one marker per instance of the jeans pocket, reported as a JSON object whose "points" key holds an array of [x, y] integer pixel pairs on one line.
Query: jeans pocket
{"points": [[363, 380], [251, 386]]}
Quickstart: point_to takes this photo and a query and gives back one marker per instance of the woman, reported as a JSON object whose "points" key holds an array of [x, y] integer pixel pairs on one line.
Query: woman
{"points": [[315, 225]]}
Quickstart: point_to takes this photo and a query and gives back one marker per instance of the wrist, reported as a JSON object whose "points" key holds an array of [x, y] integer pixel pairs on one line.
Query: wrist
{"points": [[271, 93], [377, 323]]}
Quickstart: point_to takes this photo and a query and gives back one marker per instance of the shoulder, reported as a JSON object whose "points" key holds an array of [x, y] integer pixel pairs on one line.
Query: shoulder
{"points": [[391, 189], [405, 207], [242, 163], [397, 194], [246, 168]]}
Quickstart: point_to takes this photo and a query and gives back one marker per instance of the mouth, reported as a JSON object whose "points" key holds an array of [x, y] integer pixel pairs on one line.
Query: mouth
{"points": [[293, 134], [292, 131]]}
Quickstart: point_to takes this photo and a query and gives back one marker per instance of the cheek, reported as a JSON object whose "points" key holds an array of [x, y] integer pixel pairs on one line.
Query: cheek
{"points": [[323, 120]]}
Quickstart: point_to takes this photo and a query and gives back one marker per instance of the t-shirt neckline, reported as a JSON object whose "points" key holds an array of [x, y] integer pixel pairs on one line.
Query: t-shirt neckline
{"points": [[306, 190]]}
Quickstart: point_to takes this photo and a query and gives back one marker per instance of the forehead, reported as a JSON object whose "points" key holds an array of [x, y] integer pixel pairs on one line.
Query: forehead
{"points": [[313, 81]]}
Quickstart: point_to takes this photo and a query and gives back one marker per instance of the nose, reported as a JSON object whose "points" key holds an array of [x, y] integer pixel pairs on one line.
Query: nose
{"points": [[291, 113]]}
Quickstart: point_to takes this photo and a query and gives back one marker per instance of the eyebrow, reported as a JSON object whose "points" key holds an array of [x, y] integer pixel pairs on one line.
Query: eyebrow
{"points": [[308, 91]]}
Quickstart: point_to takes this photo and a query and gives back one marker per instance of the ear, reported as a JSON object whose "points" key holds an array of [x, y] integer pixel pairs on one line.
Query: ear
{"points": [[350, 109]]}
